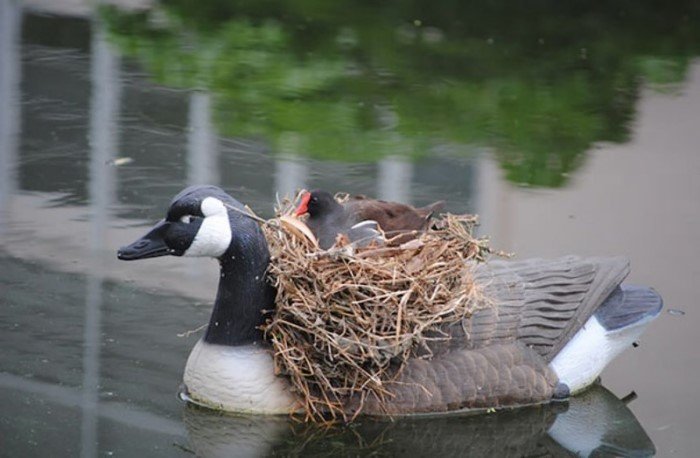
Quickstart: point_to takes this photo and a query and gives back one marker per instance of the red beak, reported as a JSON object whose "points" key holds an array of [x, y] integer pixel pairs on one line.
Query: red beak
{"points": [[303, 207]]}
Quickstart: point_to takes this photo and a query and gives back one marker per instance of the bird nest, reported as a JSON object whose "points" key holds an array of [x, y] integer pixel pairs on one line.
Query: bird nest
{"points": [[347, 319]]}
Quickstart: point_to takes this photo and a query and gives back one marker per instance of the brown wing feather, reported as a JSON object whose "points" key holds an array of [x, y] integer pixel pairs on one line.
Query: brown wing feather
{"points": [[391, 216]]}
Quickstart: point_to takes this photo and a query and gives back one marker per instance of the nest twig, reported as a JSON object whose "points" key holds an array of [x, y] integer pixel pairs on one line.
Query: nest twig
{"points": [[346, 320]]}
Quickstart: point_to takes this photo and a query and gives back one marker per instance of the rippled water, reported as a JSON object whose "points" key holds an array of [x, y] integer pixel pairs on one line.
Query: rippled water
{"points": [[569, 129]]}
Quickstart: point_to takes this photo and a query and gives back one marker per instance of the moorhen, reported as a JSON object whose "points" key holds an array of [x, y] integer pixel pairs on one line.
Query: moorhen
{"points": [[328, 217]]}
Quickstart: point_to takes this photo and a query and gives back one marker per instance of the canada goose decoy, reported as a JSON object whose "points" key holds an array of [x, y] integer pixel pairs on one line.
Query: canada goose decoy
{"points": [[553, 326], [328, 217]]}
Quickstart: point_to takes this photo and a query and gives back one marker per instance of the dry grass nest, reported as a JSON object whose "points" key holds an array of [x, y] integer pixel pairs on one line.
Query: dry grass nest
{"points": [[347, 319]]}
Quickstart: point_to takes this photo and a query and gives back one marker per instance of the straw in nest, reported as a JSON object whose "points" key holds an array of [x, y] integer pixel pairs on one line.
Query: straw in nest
{"points": [[347, 319]]}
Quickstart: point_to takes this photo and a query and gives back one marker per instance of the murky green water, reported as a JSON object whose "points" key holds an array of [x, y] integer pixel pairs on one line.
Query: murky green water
{"points": [[568, 128]]}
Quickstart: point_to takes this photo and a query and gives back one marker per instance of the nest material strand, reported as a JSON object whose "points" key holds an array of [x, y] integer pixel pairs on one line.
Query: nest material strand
{"points": [[346, 319]]}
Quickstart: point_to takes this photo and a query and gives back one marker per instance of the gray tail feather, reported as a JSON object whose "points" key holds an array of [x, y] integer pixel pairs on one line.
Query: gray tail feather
{"points": [[627, 305]]}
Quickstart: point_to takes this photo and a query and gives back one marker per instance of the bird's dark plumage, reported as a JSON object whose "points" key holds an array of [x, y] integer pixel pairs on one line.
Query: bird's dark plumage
{"points": [[328, 217]]}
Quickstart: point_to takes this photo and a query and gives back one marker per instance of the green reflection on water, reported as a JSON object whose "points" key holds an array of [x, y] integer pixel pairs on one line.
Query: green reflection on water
{"points": [[537, 83]]}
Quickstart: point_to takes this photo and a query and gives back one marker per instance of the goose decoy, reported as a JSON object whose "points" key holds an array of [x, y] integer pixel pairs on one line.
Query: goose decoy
{"points": [[328, 217], [553, 326]]}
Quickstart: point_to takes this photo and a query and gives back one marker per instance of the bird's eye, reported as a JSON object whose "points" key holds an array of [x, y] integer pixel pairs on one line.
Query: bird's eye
{"points": [[187, 219]]}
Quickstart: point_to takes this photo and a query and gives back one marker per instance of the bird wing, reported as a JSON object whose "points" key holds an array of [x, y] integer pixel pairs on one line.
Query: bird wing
{"points": [[539, 302], [391, 216]]}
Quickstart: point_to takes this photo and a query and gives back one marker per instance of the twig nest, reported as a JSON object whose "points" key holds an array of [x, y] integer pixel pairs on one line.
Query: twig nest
{"points": [[298, 229], [347, 320]]}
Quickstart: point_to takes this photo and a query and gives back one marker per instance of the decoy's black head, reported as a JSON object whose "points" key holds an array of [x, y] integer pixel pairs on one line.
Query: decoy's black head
{"points": [[198, 223], [316, 202]]}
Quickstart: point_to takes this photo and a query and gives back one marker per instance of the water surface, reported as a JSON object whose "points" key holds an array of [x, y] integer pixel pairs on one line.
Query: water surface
{"points": [[569, 129]]}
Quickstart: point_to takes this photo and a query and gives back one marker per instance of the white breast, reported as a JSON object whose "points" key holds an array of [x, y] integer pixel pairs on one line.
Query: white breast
{"points": [[238, 379]]}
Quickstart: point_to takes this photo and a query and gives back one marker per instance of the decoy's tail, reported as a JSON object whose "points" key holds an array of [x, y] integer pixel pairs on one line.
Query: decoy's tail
{"points": [[629, 305], [615, 326]]}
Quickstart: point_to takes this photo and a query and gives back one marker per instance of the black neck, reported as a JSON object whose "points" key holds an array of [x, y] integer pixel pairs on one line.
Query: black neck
{"points": [[243, 297], [334, 208], [333, 213]]}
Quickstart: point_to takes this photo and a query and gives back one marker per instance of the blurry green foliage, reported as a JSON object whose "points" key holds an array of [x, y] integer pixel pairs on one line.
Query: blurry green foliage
{"points": [[537, 82]]}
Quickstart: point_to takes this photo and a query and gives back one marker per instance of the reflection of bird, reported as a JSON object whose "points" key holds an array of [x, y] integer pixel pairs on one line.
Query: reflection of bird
{"points": [[593, 423], [554, 325], [328, 217], [598, 424]]}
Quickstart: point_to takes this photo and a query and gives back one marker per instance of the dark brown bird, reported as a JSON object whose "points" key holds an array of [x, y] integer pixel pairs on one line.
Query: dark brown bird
{"points": [[328, 217]]}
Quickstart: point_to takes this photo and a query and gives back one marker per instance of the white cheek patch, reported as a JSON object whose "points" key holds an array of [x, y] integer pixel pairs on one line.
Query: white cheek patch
{"points": [[214, 235], [212, 206]]}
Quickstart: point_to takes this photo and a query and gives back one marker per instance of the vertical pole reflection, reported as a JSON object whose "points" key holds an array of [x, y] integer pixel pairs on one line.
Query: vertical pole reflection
{"points": [[290, 174], [202, 151], [394, 180], [104, 112], [202, 157], [91, 367], [10, 113], [291, 170]]}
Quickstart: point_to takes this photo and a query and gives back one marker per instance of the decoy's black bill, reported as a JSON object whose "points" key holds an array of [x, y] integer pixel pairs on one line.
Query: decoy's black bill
{"points": [[150, 245]]}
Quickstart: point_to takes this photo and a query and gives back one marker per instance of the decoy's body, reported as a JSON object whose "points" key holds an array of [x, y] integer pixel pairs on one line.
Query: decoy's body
{"points": [[328, 218], [554, 325]]}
